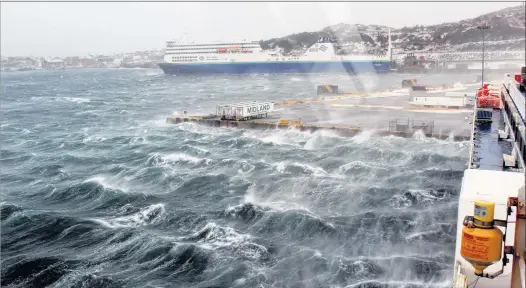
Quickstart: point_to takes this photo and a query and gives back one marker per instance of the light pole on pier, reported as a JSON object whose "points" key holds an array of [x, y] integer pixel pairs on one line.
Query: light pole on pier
{"points": [[482, 28]]}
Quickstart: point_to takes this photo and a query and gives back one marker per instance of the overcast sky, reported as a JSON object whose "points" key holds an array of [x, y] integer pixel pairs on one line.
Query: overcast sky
{"points": [[68, 29]]}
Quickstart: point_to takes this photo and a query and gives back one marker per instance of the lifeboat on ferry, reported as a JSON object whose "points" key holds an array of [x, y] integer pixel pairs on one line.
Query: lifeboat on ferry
{"points": [[488, 97], [488, 102]]}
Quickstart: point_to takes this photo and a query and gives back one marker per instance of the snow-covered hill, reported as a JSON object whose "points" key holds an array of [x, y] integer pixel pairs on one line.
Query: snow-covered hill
{"points": [[507, 32]]}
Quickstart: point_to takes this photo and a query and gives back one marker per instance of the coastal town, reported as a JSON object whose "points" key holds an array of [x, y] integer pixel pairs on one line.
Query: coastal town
{"points": [[139, 59], [151, 58]]}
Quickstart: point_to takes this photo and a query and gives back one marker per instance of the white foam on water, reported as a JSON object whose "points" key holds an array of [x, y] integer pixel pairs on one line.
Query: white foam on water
{"points": [[202, 129], [315, 171], [218, 236], [181, 157], [310, 144], [317, 138], [160, 122], [76, 99], [280, 167], [292, 136], [419, 135], [274, 138], [278, 203], [107, 183], [243, 165], [138, 140], [200, 150], [421, 196], [213, 237], [168, 159], [354, 164], [149, 215], [93, 138], [363, 137], [419, 235]]}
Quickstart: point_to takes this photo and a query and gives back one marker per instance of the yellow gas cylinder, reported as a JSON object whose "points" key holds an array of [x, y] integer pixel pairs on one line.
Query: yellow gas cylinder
{"points": [[481, 241]]}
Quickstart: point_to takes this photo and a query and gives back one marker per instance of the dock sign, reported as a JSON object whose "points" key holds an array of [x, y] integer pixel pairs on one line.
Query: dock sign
{"points": [[263, 108]]}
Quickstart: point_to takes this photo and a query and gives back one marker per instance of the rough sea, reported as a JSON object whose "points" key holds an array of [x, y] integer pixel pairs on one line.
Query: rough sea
{"points": [[97, 191]]}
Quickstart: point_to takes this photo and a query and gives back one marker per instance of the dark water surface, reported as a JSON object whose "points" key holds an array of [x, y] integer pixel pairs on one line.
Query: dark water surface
{"points": [[98, 192]]}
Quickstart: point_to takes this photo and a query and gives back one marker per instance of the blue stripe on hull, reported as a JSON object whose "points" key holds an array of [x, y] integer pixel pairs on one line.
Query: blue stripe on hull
{"points": [[276, 67]]}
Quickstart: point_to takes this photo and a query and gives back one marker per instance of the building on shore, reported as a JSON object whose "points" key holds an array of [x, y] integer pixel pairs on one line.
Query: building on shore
{"points": [[54, 63]]}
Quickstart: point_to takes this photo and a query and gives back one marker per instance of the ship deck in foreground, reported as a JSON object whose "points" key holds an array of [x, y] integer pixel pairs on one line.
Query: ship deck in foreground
{"points": [[485, 257]]}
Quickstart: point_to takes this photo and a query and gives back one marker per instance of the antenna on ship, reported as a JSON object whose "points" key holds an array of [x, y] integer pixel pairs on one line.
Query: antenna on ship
{"points": [[184, 38]]}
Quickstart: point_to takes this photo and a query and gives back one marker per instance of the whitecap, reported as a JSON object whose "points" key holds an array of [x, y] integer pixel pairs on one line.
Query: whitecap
{"points": [[152, 214], [107, 183], [76, 99]]}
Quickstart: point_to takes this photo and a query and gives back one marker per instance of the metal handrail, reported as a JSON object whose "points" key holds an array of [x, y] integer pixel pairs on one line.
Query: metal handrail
{"points": [[472, 139]]}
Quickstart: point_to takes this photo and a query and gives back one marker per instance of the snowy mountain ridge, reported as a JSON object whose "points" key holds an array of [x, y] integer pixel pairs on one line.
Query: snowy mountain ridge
{"points": [[507, 32]]}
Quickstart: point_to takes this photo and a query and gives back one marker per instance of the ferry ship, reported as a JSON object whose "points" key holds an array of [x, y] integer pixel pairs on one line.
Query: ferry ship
{"points": [[244, 57], [491, 224]]}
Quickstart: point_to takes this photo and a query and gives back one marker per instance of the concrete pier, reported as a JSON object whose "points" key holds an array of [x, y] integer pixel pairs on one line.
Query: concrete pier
{"points": [[286, 124], [386, 112]]}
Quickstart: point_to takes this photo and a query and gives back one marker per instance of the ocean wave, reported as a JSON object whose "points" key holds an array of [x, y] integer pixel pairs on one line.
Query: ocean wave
{"points": [[295, 224], [94, 194], [50, 170], [86, 279], [360, 167], [296, 168], [8, 209], [28, 229], [203, 186], [151, 215], [242, 165], [213, 236], [174, 158], [247, 212], [35, 272]]}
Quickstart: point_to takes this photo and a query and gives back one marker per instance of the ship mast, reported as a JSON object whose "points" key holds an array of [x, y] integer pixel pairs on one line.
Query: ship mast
{"points": [[390, 46]]}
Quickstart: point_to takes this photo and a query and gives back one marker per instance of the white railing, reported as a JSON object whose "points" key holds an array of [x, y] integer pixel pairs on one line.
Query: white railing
{"points": [[460, 280], [516, 96], [472, 140]]}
